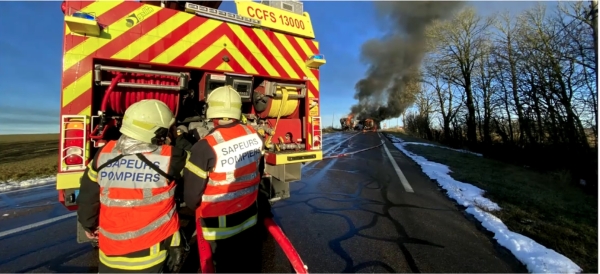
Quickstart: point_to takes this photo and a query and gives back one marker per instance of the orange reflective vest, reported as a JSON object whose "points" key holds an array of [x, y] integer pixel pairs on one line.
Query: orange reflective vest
{"points": [[233, 182], [137, 203]]}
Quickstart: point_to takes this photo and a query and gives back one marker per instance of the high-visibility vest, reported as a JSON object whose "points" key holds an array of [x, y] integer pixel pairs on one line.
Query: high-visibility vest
{"points": [[233, 182], [137, 203]]}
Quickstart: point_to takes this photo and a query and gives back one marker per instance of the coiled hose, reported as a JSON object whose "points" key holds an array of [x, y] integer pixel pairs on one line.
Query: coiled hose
{"points": [[118, 99]]}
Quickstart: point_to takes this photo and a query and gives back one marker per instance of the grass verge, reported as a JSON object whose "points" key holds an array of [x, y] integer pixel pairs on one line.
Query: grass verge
{"points": [[28, 156], [542, 206]]}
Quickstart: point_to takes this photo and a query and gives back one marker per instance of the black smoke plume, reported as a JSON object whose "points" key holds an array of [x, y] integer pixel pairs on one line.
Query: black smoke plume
{"points": [[394, 61]]}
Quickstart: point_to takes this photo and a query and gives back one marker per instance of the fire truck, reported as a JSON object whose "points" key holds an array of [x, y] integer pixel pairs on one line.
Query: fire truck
{"points": [[116, 53]]}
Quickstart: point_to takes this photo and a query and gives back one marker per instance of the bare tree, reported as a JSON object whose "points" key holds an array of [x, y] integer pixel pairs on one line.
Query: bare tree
{"points": [[460, 41]]}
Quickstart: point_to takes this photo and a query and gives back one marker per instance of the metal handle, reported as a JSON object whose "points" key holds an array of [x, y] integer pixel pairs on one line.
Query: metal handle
{"points": [[146, 86]]}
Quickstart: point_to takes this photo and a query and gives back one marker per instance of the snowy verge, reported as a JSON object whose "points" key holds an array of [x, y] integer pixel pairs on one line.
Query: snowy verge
{"points": [[536, 257], [12, 185], [395, 139]]}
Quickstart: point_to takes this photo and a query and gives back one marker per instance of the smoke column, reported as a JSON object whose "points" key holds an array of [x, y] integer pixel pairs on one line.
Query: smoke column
{"points": [[392, 80]]}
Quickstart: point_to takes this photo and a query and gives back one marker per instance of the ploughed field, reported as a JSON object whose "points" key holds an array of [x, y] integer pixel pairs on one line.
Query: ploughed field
{"points": [[27, 156]]}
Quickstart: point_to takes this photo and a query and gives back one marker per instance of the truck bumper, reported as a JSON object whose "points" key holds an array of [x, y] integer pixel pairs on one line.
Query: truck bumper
{"points": [[67, 185]]}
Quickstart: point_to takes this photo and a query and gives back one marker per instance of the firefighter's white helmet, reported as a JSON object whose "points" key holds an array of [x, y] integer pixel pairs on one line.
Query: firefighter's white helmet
{"points": [[224, 102], [147, 121]]}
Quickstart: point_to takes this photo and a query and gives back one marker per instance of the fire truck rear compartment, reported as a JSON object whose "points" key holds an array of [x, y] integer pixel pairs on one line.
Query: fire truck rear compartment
{"points": [[118, 85]]}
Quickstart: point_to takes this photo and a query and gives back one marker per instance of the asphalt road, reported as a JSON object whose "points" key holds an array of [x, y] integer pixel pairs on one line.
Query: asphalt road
{"points": [[347, 214]]}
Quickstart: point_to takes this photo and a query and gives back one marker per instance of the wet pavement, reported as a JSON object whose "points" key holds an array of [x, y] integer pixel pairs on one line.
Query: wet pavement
{"points": [[347, 214]]}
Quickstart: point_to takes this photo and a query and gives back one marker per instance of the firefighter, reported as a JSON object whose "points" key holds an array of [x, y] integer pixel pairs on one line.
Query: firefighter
{"points": [[126, 198], [221, 182]]}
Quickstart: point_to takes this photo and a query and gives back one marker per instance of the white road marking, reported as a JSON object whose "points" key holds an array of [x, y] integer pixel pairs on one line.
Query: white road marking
{"points": [[30, 226], [403, 180], [29, 188]]}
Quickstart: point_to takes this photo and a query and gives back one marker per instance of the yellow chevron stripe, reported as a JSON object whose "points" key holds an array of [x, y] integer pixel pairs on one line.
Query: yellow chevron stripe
{"points": [[91, 45], [304, 46], [215, 48], [301, 63], [97, 9], [224, 67], [187, 42], [77, 88], [208, 54], [316, 44], [151, 37], [301, 42], [279, 58], [258, 55], [237, 55], [87, 111]]}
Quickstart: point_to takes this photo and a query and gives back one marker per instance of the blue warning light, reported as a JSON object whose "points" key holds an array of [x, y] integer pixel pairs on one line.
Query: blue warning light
{"points": [[318, 57]]}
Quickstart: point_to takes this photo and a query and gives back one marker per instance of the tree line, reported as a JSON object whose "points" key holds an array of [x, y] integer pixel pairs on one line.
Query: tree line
{"points": [[519, 87]]}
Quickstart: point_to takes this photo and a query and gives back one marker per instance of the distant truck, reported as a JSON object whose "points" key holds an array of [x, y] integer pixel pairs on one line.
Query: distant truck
{"points": [[369, 125]]}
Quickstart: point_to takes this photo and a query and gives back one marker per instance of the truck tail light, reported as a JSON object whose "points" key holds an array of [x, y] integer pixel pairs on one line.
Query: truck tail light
{"points": [[316, 133], [73, 142]]}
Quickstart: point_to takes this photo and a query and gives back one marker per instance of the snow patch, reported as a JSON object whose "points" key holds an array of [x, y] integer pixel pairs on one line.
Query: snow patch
{"points": [[395, 139], [537, 258], [12, 185]]}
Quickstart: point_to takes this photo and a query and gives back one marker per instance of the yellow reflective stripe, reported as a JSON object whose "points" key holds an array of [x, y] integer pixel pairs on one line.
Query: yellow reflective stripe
{"points": [[155, 249], [212, 233], [138, 263], [93, 175], [176, 239], [196, 170], [222, 222], [187, 159], [93, 179]]}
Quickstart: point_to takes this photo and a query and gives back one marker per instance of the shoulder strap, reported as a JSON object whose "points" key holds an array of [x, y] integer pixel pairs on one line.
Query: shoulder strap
{"points": [[153, 166]]}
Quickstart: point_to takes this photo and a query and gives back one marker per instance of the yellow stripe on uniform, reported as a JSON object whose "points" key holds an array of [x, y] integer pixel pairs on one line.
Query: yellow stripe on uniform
{"points": [[258, 55], [278, 56], [91, 173], [77, 88], [292, 51], [128, 263], [187, 42], [91, 45], [151, 37], [196, 170], [97, 9]]}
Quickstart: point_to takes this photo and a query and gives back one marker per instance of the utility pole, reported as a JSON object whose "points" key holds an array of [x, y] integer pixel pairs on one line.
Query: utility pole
{"points": [[332, 119]]}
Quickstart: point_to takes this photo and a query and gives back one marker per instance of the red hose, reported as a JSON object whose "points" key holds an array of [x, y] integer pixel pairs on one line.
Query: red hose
{"points": [[119, 99], [205, 252], [286, 246], [109, 90]]}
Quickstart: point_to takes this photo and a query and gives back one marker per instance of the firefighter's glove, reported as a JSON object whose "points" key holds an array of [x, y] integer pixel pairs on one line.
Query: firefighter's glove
{"points": [[175, 258], [176, 253]]}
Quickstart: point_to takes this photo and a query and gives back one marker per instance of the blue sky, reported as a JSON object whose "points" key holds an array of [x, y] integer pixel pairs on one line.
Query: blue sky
{"points": [[31, 42]]}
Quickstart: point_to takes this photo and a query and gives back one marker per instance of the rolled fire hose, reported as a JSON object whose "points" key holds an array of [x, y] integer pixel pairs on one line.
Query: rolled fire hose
{"points": [[206, 263]]}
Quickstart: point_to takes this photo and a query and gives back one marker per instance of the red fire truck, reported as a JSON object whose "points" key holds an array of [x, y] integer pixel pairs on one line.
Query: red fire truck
{"points": [[116, 53]]}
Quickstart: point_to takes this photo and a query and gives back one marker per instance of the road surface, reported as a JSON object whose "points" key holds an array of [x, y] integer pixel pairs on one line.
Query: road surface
{"points": [[357, 213]]}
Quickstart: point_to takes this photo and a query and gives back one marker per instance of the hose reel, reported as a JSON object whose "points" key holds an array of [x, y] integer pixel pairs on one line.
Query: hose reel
{"points": [[273, 99]]}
